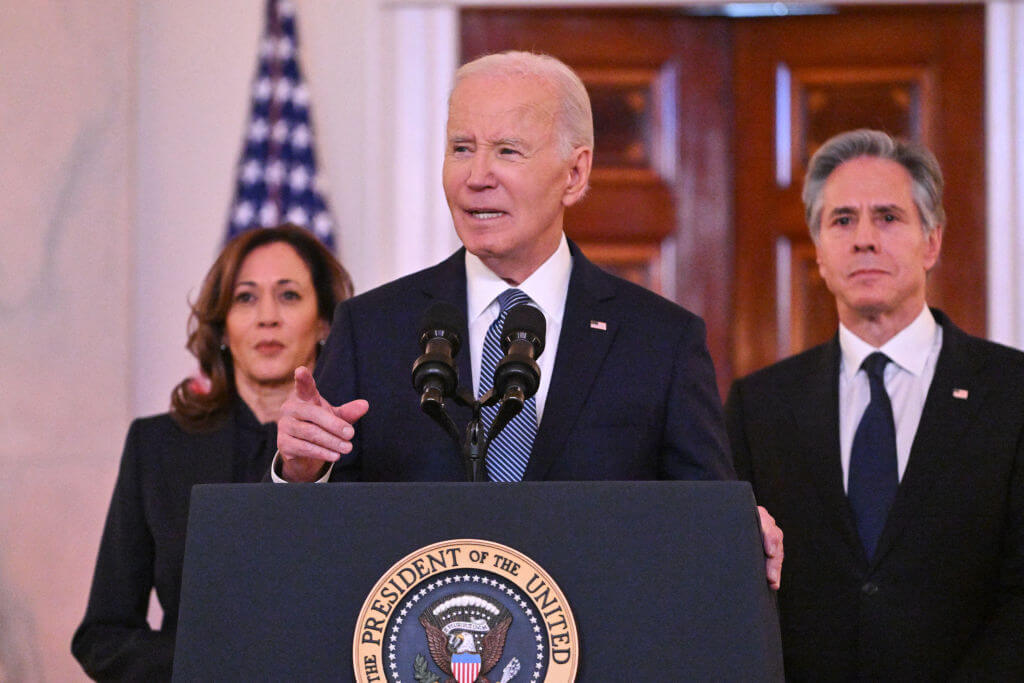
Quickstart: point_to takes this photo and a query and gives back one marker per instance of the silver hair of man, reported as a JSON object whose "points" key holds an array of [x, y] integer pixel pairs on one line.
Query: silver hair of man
{"points": [[575, 121], [925, 174]]}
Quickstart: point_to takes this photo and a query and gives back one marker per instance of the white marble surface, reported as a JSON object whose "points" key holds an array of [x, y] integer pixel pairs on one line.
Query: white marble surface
{"points": [[67, 97]]}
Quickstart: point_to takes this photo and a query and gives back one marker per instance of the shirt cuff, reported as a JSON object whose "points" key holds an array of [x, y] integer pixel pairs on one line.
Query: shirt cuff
{"points": [[275, 471]]}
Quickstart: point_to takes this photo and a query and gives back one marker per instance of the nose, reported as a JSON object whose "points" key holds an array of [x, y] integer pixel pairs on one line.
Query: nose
{"points": [[481, 174], [267, 312], [865, 235]]}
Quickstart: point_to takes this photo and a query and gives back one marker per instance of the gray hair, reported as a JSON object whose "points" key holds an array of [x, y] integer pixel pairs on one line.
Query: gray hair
{"points": [[575, 121], [925, 174]]}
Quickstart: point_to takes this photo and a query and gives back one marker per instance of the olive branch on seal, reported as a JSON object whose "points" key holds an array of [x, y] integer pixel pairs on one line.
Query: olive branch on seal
{"points": [[422, 670]]}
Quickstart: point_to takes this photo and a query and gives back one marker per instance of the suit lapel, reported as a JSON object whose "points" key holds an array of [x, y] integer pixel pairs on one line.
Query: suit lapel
{"points": [[943, 421], [816, 413], [581, 352]]}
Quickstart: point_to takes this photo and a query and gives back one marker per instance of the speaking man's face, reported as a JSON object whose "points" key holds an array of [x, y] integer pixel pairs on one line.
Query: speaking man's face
{"points": [[506, 183]]}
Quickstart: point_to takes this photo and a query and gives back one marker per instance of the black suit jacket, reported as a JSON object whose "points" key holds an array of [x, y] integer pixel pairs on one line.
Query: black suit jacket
{"points": [[944, 595], [636, 400], [143, 543]]}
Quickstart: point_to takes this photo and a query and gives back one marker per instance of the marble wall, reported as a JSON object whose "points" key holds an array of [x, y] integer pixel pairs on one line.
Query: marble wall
{"points": [[67, 110]]}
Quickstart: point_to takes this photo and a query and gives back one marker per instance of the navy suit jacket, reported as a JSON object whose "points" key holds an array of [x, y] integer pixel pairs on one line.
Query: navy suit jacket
{"points": [[943, 598], [635, 400]]}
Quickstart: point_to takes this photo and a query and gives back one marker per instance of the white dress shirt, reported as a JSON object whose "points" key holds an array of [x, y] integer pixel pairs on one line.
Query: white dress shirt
{"points": [[548, 287], [914, 352]]}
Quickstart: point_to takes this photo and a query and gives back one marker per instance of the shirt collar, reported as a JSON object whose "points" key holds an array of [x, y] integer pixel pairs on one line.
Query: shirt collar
{"points": [[908, 349], [547, 286]]}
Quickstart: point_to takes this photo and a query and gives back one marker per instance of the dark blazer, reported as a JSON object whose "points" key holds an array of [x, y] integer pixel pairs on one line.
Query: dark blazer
{"points": [[634, 401], [143, 543], [944, 596]]}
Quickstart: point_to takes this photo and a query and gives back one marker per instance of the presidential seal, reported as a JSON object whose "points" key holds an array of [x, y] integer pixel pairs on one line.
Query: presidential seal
{"points": [[465, 611]]}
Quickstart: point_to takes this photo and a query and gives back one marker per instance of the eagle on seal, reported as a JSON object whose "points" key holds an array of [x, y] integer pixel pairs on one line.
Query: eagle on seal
{"points": [[466, 624]]}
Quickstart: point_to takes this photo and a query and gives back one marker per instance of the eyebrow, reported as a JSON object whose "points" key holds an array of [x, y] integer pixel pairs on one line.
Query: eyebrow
{"points": [[499, 142], [508, 142], [252, 283], [887, 208], [879, 208], [842, 211]]}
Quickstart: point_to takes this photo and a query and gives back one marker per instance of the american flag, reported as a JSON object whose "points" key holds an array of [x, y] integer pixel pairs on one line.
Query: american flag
{"points": [[277, 179]]}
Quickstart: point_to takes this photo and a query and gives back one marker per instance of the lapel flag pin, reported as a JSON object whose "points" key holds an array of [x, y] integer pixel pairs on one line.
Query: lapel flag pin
{"points": [[960, 394], [598, 325]]}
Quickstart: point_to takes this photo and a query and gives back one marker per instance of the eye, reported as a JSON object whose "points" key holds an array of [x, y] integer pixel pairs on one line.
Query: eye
{"points": [[889, 218], [291, 295], [841, 220], [508, 151], [460, 148], [244, 297]]}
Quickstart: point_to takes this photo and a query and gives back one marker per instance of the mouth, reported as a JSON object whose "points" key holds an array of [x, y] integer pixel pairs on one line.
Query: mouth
{"points": [[269, 347], [867, 272], [485, 214]]}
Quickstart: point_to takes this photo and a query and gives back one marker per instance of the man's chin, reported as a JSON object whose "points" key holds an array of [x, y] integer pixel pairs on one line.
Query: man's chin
{"points": [[870, 308], [485, 249]]}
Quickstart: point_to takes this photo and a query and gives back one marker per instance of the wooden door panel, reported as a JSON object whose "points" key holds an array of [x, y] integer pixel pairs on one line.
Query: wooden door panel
{"points": [[824, 100]]}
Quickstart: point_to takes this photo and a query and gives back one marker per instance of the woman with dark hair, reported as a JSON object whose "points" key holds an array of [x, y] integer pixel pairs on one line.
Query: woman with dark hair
{"points": [[264, 309]]}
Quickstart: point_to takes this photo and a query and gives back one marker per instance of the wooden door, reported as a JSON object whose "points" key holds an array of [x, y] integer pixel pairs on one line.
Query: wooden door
{"points": [[688, 196], [915, 72]]}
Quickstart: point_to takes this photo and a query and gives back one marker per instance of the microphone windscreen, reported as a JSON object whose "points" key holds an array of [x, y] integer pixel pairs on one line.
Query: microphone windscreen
{"points": [[524, 318], [442, 319]]}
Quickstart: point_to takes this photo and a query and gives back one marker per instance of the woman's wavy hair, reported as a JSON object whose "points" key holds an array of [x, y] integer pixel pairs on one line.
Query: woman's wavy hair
{"points": [[200, 408]]}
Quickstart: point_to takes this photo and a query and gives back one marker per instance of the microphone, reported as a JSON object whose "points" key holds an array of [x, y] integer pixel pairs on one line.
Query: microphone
{"points": [[434, 374], [517, 375]]}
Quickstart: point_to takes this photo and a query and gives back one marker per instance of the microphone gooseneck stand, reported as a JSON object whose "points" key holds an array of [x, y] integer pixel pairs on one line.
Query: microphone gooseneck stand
{"points": [[475, 442], [516, 379], [474, 448]]}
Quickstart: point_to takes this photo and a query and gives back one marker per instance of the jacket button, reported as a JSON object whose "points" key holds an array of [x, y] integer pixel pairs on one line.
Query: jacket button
{"points": [[869, 588]]}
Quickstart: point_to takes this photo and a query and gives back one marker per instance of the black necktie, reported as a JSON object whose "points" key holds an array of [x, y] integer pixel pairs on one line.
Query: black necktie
{"points": [[873, 472]]}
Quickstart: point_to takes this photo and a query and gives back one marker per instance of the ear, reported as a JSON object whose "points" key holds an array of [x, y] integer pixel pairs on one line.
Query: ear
{"points": [[932, 247], [579, 175], [322, 330], [817, 260]]}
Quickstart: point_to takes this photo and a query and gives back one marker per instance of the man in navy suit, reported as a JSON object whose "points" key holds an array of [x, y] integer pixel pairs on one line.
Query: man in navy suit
{"points": [[627, 388], [893, 455]]}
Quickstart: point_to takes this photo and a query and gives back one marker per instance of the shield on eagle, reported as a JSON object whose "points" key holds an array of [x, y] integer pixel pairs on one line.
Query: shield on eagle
{"points": [[465, 667]]}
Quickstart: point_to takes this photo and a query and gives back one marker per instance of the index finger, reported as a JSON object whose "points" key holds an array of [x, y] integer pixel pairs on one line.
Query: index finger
{"points": [[305, 386]]}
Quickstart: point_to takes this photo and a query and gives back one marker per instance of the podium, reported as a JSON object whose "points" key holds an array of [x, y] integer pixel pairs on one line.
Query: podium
{"points": [[665, 580]]}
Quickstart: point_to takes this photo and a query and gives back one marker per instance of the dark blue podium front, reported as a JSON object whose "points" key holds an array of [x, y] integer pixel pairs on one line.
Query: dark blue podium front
{"points": [[665, 579]]}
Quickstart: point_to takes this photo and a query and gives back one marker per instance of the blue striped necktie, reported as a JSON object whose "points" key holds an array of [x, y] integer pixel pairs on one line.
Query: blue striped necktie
{"points": [[510, 451], [873, 471]]}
